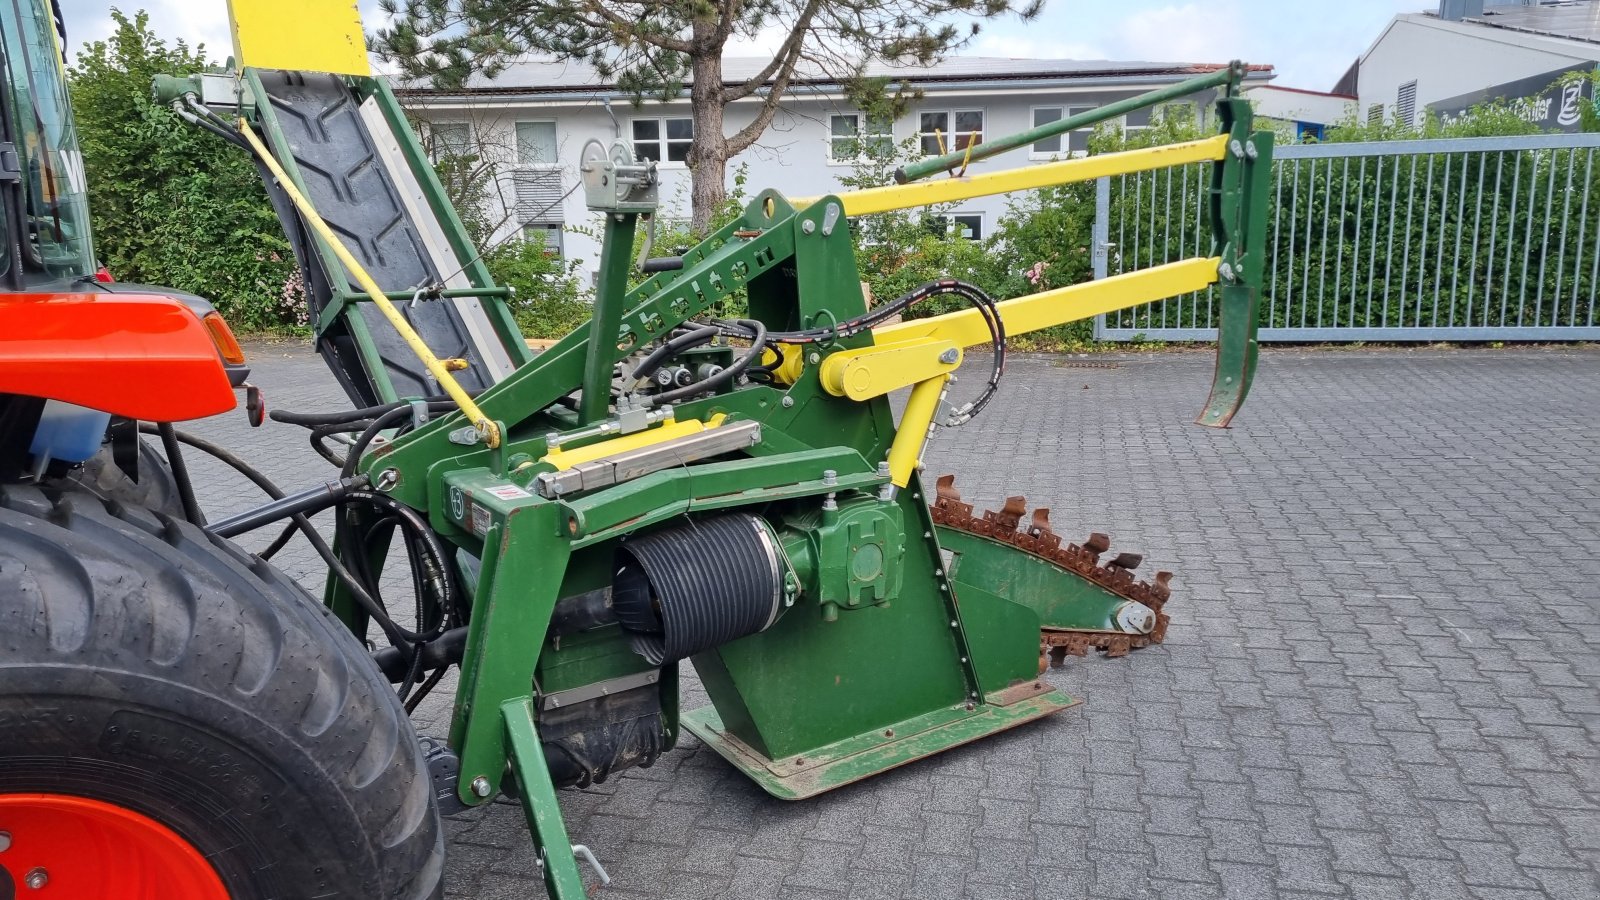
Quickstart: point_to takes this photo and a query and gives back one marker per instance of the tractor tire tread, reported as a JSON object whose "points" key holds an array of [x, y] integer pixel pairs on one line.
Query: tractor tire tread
{"points": [[137, 616]]}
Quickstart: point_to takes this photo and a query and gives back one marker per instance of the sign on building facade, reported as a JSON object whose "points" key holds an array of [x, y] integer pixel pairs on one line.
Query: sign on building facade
{"points": [[1537, 99]]}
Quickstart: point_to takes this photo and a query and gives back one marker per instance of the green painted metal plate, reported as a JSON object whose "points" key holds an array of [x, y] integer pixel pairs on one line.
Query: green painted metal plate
{"points": [[863, 756], [1061, 597]]}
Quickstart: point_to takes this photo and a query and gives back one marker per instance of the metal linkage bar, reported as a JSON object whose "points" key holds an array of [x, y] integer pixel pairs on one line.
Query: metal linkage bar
{"points": [[1232, 76]]}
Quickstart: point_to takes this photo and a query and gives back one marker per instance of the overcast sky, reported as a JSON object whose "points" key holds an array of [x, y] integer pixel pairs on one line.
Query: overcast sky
{"points": [[1311, 43]]}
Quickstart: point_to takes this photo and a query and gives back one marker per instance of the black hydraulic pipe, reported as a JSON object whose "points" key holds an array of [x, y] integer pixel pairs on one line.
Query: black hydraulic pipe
{"points": [[311, 499], [661, 264], [180, 473]]}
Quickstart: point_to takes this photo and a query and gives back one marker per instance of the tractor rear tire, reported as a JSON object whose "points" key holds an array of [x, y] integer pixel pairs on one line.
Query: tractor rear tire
{"points": [[155, 488], [149, 666]]}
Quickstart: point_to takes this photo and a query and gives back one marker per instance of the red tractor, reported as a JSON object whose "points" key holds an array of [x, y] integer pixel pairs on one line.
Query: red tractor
{"points": [[177, 718]]}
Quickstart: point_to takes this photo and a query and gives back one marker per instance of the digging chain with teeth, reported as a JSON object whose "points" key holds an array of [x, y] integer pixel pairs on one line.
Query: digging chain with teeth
{"points": [[1037, 539]]}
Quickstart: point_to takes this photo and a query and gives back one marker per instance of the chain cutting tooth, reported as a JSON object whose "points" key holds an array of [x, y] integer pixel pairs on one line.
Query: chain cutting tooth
{"points": [[1161, 588], [948, 504], [1040, 540], [1004, 523]]}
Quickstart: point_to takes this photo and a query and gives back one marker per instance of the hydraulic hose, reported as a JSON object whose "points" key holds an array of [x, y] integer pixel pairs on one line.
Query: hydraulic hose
{"points": [[661, 354], [758, 341]]}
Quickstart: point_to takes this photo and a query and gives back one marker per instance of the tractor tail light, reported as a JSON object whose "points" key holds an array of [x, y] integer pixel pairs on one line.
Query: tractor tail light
{"points": [[222, 336]]}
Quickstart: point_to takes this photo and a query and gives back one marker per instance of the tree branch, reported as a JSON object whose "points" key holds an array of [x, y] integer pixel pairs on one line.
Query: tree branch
{"points": [[632, 30], [787, 56]]}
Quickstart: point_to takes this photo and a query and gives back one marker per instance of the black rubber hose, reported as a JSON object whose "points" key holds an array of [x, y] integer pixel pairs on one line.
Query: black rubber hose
{"points": [[758, 343], [180, 473], [425, 689], [416, 527], [676, 345], [360, 446], [371, 606], [321, 432], [446, 650]]}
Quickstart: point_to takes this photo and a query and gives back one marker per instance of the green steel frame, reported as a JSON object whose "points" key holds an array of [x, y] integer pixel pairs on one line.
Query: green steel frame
{"points": [[828, 694]]}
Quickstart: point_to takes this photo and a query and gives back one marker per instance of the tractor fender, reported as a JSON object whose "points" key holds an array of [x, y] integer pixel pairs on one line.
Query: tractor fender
{"points": [[143, 356]]}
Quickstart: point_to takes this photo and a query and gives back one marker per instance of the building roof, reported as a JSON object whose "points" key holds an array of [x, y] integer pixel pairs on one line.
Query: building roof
{"points": [[554, 76], [1577, 20]]}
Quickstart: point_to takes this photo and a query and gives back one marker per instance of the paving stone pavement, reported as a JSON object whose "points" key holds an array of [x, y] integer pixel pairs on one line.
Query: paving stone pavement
{"points": [[1382, 677]]}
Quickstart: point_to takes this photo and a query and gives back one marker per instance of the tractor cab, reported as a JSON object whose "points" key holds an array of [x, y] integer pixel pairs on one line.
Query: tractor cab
{"points": [[76, 350], [47, 238]]}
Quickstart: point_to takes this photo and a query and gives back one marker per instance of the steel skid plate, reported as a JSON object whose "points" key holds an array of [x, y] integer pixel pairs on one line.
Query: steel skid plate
{"points": [[865, 755]]}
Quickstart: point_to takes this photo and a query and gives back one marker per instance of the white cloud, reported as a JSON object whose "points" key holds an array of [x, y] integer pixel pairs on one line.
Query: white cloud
{"points": [[1188, 32]]}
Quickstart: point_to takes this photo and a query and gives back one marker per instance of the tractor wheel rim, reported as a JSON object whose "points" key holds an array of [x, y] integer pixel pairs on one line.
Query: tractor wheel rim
{"points": [[61, 847]]}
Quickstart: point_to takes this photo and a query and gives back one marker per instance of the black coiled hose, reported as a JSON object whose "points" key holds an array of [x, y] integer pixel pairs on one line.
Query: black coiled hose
{"points": [[691, 587]]}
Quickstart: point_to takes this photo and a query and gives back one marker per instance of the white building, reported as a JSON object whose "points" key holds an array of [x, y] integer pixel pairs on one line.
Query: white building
{"points": [[535, 118], [1468, 51], [1305, 115]]}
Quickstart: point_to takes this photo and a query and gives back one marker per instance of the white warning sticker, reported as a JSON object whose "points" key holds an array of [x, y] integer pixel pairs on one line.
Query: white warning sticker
{"points": [[508, 492]]}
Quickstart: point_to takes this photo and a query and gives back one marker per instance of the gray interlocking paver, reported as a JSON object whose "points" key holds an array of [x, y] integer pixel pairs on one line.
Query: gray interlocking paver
{"points": [[1382, 678]]}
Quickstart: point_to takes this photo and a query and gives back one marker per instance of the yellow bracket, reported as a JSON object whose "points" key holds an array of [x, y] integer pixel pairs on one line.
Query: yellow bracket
{"points": [[666, 431], [437, 368], [904, 196], [874, 371], [299, 35]]}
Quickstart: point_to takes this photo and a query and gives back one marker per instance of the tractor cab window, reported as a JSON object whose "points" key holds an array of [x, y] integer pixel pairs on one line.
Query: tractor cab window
{"points": [[56, 210]]}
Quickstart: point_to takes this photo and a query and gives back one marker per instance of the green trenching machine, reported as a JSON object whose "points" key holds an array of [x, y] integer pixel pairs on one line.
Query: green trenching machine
{"points": [[661, 486]]}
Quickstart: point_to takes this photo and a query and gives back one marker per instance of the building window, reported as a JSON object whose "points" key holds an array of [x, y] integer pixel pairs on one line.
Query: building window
{"points": [[1076, 141], [1375, 114], [1405, 104], [1309, 132], [966, 225], [447, 139], [663, 140], [852, 136], [536, 144], [948, 131], [547, 234]]}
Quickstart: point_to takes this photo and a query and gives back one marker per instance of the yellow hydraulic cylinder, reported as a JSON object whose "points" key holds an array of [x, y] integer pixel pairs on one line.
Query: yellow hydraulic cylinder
{"points": [[916, 424], [669, 430]]}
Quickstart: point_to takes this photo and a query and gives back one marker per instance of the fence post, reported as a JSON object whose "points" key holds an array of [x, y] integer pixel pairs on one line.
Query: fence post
{"points": [[1101, 250]]}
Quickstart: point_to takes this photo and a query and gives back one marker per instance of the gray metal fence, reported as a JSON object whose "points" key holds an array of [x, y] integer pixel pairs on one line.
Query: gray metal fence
{"points": [[1455, 239]]}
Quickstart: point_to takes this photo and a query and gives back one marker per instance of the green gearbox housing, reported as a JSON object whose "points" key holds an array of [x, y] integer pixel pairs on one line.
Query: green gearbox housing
{"points": [[850, 549]]}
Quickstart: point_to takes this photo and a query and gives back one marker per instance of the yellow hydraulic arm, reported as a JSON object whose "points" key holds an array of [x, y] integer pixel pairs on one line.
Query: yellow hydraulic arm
{"points": [[922, 353]]}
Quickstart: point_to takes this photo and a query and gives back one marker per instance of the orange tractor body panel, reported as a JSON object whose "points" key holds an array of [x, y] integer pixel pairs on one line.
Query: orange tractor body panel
{"points": [[142, 356]]}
